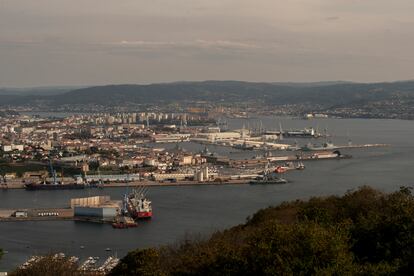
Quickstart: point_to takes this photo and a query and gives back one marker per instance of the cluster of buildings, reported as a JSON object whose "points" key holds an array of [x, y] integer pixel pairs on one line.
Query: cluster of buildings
{"points": [[108, 144], [139, 118], [119, 146]]}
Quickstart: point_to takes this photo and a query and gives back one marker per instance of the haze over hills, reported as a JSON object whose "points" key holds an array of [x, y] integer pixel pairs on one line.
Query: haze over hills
{"points": [[38, 91], [325, 95], [212, 91]]}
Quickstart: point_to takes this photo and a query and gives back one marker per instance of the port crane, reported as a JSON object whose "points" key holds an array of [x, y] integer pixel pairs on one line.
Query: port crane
{"points": [[53, 172]]}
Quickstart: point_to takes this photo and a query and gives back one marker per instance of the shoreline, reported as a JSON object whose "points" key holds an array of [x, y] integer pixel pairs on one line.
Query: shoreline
{"points": [[16, 186]]}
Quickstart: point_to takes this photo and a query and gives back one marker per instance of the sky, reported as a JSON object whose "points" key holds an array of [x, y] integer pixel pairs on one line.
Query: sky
{"points": [[95, 42]]}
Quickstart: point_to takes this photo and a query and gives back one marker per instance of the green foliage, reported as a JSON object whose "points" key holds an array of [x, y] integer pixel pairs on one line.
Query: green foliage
{"points": [[301, 248], [49, 266], [364, 232], [19, 168], [144, 262], [387, 233]]}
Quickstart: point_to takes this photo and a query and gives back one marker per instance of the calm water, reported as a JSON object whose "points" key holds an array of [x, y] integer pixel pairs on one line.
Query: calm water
{"points": [[182, 211]]}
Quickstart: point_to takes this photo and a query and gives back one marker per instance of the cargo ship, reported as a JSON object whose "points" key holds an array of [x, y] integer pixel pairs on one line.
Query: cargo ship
{"points": [[299, 133], [325, 146], [138, 206], [303, 133], [55, 184], [276, 180]]}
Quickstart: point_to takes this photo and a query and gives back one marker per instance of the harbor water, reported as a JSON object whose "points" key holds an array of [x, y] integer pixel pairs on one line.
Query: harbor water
{"points": [[194, 211]]}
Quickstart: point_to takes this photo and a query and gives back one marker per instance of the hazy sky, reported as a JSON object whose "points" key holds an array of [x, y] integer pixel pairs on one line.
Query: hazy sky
{"points": [[85, 42]]}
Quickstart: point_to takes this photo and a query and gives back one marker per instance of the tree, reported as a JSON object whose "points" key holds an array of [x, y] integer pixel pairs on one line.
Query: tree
{"points": [[300, 248], [144, 262], [49, 266]]}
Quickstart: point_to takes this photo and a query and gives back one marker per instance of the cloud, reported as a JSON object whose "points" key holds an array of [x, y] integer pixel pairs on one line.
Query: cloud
{"points": [[226, 44], [140, 41], [196, 44], [332, 18]]}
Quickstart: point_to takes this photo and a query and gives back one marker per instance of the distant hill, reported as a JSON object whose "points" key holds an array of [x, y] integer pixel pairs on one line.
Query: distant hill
{"points": [[235, 91], [325, 94], [37, 91], [31, 95]]}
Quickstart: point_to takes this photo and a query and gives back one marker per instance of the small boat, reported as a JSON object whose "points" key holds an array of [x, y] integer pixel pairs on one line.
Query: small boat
{"points": [[74, 260], [122, 222], [300, 166]]}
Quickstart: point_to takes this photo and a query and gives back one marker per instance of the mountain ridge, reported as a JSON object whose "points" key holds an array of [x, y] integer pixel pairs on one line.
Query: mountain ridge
{"points": [[325, 94]]}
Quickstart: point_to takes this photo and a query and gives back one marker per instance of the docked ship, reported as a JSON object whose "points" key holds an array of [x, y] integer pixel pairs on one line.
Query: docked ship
{"points": [[243, 146], [268, 178], [325, 146], [55, 184], [289, 166], [302, 133], [273, 180], [137, 205]]}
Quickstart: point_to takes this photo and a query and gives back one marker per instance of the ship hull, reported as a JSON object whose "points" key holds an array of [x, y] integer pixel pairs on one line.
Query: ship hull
{"points": [[36, 187], [138, 206], [140, 215], [123, 225], [144, 215], [268, 182]]}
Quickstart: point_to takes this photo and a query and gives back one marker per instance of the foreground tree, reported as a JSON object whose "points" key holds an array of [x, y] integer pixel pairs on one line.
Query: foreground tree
{"points": [[49, 266], [364, 232]]}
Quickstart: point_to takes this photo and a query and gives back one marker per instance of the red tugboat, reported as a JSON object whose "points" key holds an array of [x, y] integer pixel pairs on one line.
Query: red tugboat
{"points": [[138, 206], [124, 222]]}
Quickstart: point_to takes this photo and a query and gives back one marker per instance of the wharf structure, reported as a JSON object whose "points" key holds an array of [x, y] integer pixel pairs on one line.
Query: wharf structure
{"points": [[97, 207]]}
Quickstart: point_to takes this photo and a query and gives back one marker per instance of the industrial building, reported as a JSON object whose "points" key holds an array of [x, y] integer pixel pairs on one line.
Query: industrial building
{"points": [[97, 207], [112, 177], [216, 136], [170, 137]]}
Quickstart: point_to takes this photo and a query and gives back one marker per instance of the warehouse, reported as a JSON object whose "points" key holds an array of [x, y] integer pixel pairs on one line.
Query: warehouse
{"points": [[97, 207]]}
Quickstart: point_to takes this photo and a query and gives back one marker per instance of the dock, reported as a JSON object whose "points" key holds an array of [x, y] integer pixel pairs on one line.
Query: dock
{"points": [[361, 146], [35, 214]]}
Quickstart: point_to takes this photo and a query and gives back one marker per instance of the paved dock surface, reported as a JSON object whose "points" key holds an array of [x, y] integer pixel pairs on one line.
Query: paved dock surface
{"points": [[36, 214]]}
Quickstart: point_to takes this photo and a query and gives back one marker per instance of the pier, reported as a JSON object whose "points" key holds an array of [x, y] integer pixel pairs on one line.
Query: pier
{"points": [[36, 214]]}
